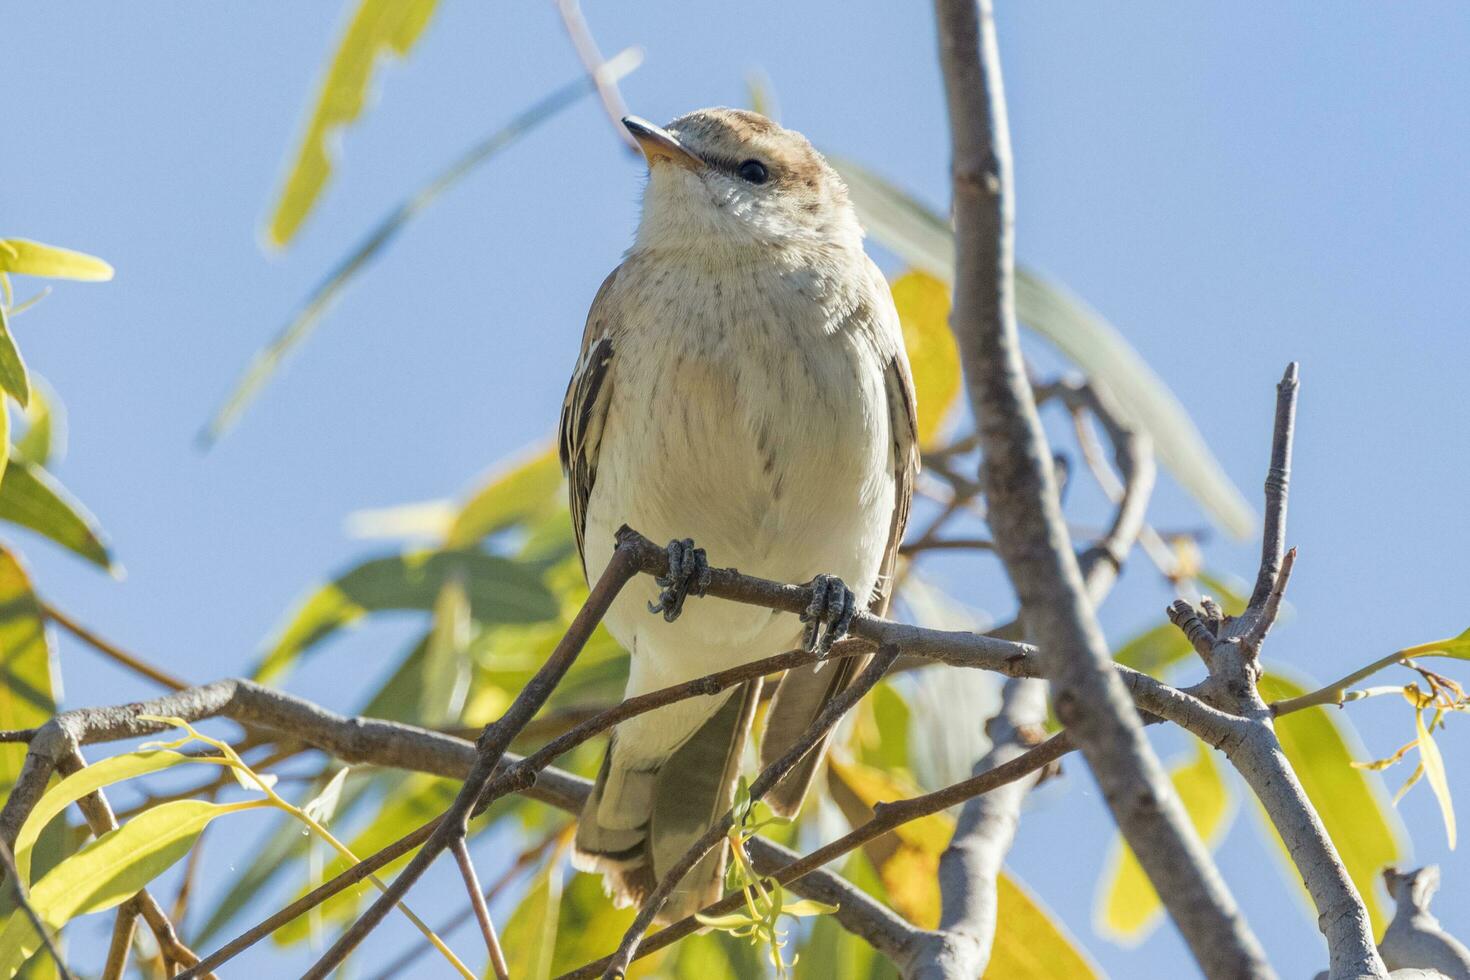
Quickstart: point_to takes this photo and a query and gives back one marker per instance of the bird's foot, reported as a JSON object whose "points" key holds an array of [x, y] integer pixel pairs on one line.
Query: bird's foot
{"points": [[688, 572], [829, 615]]}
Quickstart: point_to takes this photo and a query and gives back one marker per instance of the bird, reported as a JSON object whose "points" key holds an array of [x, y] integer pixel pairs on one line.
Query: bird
{"points": [[742, 384]]}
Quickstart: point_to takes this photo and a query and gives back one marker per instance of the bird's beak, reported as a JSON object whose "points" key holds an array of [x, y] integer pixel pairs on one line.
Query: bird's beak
{"points": [[659, 144]]}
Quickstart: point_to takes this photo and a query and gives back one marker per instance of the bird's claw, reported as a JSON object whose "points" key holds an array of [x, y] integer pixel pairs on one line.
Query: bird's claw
{"points": [[829, 615], [688, 572]]}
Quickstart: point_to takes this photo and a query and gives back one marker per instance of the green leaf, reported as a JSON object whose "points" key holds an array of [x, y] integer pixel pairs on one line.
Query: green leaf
{"points": [[1353, 805], [499, 591], [588, 925], [923, 311], [924, 239], [23, 257], [31, 497], [1128, 906], [446, 674], [27, 691], [378, 28], [527, 490], [13, 377], [44, 437], [110, 870], [1030, 941], [529, 938], [265, 362], [99, 774], [1433, 764]]}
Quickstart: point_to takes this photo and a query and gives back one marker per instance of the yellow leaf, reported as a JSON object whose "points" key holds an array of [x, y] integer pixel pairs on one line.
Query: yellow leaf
{"points": [[1030, 944], [1352, 803], [377, 28], [29, 258], [923, 309], [1129, 907], [1433, 764], [110, 870], [910, 874], [930, 834]]}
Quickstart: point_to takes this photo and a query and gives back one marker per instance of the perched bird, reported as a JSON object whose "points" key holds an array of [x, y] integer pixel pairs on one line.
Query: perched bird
{"points": [[742, 384]]}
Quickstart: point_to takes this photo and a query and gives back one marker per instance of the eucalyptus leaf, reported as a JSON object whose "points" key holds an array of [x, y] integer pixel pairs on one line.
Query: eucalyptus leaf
{"points": [[530, 932], [32, 498], [1030, 941], [499, 591], [377, 29], [27, 688], [13, 377], [20, 256], [110, 870]]}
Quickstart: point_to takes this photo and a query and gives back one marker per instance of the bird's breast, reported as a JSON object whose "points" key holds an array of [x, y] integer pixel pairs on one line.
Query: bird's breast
{"points": [[753, 418]]}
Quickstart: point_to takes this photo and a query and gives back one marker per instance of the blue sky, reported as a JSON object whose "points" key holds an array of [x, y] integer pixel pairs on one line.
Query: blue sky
{"points": [[1233, 187]]}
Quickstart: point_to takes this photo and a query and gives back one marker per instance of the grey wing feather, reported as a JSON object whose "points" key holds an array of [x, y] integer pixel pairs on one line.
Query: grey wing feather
{"points": [[803, 691], [584, 410]]}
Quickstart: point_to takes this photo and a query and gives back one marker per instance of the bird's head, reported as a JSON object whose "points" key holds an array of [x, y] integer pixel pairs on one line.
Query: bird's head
{"points": [[729, 180]]}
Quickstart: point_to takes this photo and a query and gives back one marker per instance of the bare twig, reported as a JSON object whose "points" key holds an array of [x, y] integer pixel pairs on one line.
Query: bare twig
{"points": [[524, 860], [124, 927], [1026, 518], [1254, 749], [482, 911], [111, 650], [1278, 482], [592, 60], [23, 901], [491, 747]]}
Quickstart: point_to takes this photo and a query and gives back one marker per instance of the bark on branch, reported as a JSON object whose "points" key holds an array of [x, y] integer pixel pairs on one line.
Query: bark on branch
{"points": [[1026, 520]]}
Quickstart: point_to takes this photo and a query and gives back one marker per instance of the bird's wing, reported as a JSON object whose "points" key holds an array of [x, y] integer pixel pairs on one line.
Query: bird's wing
{"points": [[903, 425], [584, 410], [804, 691]]}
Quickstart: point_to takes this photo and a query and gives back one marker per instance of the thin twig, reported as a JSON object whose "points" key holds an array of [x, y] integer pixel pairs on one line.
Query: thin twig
{"points": [[491, 747], [18, 890], [523, 861], [1278, 482], [887, 816], [124, 928], [592, 60], [482, 911], [111, 650]]}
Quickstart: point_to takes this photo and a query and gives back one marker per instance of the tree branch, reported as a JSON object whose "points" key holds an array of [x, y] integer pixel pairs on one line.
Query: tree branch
{"points": [[1026, 519], [1231, 647], [489, 750]]}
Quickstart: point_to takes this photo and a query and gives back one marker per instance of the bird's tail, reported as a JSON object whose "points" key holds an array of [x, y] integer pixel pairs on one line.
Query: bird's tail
{"points": [[800, 697], [637, 824]]}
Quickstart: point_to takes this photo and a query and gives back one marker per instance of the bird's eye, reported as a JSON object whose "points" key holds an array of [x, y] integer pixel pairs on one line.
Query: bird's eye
{"points": [[753, 171]]}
